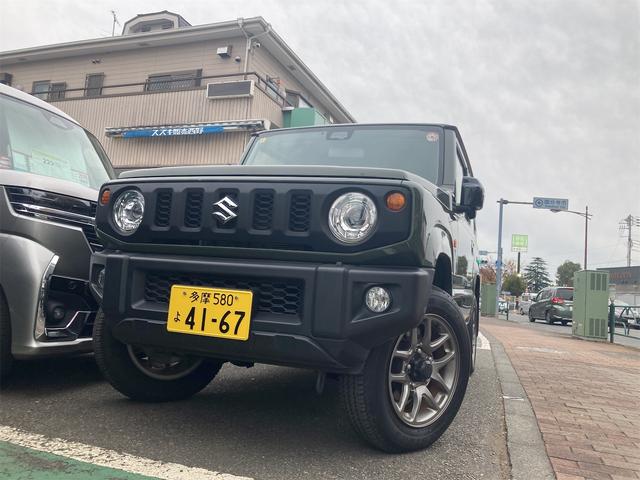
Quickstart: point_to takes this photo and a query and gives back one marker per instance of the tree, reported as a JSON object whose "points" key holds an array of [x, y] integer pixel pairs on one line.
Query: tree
{"points": [[514, 284], [537, 275], [509, 267], [564, 275], [487, 274]]}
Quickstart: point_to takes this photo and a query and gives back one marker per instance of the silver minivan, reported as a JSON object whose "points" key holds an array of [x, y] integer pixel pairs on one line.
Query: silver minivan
{"points": [[50, 172]]}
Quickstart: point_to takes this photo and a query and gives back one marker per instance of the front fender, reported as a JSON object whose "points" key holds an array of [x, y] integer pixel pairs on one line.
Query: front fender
{"points": [[23, 265]]}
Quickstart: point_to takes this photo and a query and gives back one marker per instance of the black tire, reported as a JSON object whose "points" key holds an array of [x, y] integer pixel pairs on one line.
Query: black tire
{"points": [[565, 323], [548, 318], [6, 359], [531, 317], [117, 366], [366, 398]]}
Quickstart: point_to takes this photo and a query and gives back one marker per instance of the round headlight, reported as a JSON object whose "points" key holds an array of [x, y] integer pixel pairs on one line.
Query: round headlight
{"points": [[128, 211], [352, 218]]}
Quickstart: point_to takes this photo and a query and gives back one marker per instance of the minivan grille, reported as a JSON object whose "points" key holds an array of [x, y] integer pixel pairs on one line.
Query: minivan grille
{"points": [[57, 208]]}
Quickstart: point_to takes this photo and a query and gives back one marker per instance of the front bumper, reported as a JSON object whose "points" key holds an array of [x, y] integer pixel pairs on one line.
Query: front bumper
{"points": [[323, 325]]}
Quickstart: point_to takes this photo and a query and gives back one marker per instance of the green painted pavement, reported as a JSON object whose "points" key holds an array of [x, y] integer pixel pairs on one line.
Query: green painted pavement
{"points": [[21, 463]]}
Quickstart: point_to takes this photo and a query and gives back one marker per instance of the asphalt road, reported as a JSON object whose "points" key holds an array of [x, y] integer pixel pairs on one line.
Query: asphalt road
{"points": [[633, 340], [264, 422]]}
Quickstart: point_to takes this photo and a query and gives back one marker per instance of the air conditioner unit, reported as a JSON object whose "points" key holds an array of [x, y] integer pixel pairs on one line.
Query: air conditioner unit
{"points": [[233, 89], [224, 52]]}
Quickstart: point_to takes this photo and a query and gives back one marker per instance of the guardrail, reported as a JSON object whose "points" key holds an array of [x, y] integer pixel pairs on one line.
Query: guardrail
{"points": [[627, 314]]}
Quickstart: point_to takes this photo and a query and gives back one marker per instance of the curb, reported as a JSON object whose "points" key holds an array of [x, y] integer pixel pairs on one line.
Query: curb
{"points": [[527, 453]]}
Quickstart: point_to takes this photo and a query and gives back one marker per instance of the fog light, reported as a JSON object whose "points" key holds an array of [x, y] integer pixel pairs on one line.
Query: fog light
{"points": [[377, 299], [58, 313]]}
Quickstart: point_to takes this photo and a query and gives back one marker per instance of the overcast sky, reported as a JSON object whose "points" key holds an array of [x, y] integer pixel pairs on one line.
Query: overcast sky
{"points": [[545, 93]]}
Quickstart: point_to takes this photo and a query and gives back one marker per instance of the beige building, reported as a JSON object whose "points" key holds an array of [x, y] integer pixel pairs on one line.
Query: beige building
{"points": [[165, 92]]}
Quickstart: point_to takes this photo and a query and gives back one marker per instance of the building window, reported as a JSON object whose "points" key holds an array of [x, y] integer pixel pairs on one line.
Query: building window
{"points": [[57, 91], [41, 89], [93, 84], [5, 78], [173, 81], [297, 100]]}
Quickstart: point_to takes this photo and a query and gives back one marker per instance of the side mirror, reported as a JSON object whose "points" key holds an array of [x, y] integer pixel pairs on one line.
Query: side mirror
{"points": [[471, 196]]}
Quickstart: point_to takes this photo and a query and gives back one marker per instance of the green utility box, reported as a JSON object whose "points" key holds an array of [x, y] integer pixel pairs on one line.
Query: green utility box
{"points": [[488, 299], [590, 304], [302, 117]]}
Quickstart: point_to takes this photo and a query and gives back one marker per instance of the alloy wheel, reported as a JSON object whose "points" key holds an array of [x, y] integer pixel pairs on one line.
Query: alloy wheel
{"points": [[162, 366], [423, 371]]}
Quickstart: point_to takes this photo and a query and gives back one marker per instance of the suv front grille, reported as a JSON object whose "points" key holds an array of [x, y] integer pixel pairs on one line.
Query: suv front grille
{"points": [[163, 208], [56, 208], [193, 209], [299, 212], [263, 210], [282, 297]]}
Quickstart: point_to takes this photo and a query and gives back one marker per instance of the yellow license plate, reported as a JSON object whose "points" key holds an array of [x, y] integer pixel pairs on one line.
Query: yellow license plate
{"points": [[212, 312]]}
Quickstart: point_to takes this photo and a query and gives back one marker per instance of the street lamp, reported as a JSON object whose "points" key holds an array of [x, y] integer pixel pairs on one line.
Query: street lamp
{"points": [[587, 216], [555, 205]]}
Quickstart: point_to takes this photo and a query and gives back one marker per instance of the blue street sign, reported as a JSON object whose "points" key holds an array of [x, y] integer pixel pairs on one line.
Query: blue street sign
{"points": [[551, 203]]}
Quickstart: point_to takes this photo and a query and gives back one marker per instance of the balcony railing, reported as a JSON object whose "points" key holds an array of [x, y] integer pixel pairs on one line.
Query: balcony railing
{"points": [[151, 86]]}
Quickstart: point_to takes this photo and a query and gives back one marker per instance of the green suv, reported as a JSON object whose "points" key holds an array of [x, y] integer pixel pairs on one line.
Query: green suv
{"points": [[552, 304]]}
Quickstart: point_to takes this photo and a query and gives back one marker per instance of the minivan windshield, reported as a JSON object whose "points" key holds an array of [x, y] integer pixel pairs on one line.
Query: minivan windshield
{"points": [[37, 141], [414, 148]]}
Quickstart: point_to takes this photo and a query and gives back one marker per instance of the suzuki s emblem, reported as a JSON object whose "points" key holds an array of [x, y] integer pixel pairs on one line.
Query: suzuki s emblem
{"points": [[224, 209]]}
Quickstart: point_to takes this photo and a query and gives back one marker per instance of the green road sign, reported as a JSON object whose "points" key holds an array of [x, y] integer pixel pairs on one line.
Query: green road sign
{"points": [[519, 243]]}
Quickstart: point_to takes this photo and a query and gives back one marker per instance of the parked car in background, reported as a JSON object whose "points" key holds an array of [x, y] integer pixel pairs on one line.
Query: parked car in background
{"points": [[525, 302], [503, 306], [552, 304], [627, 314], [50, 173]]}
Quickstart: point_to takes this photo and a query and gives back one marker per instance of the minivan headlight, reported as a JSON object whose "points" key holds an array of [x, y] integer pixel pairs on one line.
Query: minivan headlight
{"points": [[128, 211], [352, 218]]}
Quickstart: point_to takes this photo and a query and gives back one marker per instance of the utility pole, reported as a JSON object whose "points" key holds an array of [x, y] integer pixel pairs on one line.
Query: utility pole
{"points": [[586, 231], [502, 202], [626, 224], [113, 25]]}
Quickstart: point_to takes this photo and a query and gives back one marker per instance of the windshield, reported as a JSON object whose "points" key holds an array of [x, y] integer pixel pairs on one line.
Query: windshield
{"points": [[416, 149], [37, 141], [565, 293]]}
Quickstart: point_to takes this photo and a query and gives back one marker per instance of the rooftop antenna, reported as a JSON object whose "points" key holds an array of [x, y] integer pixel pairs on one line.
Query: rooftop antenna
{"points": [[113, 25]]}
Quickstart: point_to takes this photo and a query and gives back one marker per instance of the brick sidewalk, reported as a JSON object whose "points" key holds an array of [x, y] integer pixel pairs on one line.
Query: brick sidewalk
{"points": [[586, 398]]}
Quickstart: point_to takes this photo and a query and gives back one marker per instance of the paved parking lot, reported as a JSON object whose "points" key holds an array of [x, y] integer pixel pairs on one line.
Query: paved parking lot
{"points": [[264, 422]]}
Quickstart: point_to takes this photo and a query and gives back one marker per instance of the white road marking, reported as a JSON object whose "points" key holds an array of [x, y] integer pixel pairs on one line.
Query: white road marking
{"points": [[542, 350], [507, 397], [110, 458], [483, 343]]}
